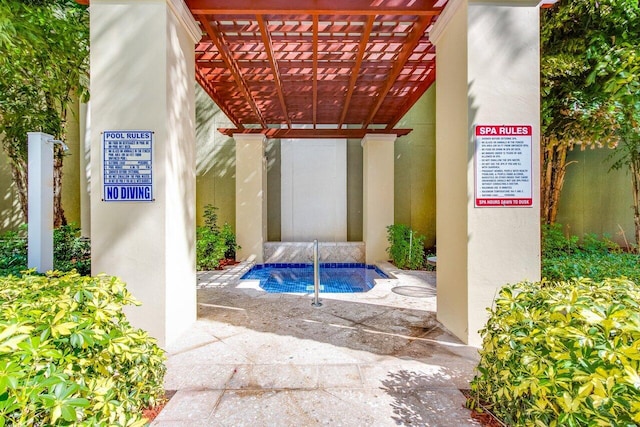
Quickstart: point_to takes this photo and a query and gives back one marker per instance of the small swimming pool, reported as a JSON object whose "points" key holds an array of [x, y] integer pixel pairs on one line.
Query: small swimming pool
{"points": [[298, 278]]}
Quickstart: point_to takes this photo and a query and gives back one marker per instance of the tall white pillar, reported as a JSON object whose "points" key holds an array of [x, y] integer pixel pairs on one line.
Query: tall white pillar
{"points": [[488, 74], [142, 78], [251, 197], [40, 202], [378, 194]]}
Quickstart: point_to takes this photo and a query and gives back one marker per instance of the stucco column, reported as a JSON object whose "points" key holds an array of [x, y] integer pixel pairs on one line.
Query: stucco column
{"points": [[251, 197], [488, 74], [40, 203], [377, 197], [142, 78]]}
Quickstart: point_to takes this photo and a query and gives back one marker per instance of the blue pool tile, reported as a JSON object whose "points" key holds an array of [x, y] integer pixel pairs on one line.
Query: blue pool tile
{"points": [[298, 278]]}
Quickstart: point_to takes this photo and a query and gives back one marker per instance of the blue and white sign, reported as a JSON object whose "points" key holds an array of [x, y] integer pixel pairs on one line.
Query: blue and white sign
{"points": [[127, 168]]}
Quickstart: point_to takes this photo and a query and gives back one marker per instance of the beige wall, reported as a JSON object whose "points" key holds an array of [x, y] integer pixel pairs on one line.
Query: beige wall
{"points": [[354, 190], [274, 168], [10, 214], [314, 190], [215, 161], [451, 173], [251, 196], [415, 169], [71, 167], [588, 188]]}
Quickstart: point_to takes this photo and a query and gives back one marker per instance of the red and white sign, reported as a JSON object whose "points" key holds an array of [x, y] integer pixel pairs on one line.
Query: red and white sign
{"points": [[503, 165]]}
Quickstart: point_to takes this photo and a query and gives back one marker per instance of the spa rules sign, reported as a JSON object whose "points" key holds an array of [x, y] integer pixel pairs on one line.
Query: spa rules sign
{"points": [[127, 168], [503, 166]]}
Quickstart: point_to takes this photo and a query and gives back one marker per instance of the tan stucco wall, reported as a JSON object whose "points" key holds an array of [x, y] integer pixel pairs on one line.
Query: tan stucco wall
{"points": [[71, 166], [215, 161], [354, 190], [274, 190], [415, 169], [451, 173], [10, 216], [595, 200]]}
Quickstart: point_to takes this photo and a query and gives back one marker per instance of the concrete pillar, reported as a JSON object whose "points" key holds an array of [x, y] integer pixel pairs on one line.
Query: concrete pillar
{"points": [[251, 197], [378, 194], [142, 78], [40, 203], [488, 73]]}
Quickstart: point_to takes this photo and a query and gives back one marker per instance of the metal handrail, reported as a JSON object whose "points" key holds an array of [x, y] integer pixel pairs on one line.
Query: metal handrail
{"points": [[316, 276]]}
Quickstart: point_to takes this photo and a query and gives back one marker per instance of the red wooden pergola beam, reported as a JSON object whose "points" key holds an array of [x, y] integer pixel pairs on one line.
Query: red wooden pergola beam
{"points": [[266, 40], [273, 133], [227, 56], [315, 71], [356, 69], [413, 39], [413, 98], [314, 7], [210, 89]]}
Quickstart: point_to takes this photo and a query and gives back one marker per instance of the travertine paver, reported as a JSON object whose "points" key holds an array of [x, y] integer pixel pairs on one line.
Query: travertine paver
{"points": [[373, 359]]}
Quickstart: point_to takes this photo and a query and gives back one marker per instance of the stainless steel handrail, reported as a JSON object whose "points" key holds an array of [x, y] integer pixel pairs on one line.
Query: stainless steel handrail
{"points": [[316, 276]]}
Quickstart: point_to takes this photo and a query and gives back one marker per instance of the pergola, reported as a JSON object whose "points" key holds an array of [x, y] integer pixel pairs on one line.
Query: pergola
{"points": [[357, 64]]}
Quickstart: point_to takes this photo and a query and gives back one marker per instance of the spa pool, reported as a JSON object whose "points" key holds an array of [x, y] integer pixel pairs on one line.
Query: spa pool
{"points": [[298, 278]]}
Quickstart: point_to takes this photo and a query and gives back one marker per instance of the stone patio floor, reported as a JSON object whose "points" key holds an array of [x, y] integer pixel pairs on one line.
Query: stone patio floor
{"points": [[370, 359]]}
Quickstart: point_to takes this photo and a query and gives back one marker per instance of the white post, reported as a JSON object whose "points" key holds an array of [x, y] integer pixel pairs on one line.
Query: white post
{"points": [[251, 197], [378, 194], [40, 204]]}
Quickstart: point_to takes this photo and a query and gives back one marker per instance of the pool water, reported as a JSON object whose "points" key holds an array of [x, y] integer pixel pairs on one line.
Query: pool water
{"points": [[298, 278]]}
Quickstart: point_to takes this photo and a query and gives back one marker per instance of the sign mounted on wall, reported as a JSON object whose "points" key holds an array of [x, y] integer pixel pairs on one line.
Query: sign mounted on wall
{"points": [[127, 166], [503, 166]]}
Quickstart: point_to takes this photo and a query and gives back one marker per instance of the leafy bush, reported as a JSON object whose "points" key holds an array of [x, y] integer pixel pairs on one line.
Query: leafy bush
{"points": [[564, 353], [594, 257], [68, 356], [214, 244], [70, 251], [13, 251], [555, 243], [406, 247], [210, 249]]}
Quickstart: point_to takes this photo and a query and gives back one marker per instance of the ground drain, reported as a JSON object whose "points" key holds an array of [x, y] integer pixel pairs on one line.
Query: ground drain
{"points": [[414, 291]]}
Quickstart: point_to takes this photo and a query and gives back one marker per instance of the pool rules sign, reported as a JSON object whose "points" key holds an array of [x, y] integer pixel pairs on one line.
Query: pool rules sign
{"points": [[503, 166], [127, 166]]}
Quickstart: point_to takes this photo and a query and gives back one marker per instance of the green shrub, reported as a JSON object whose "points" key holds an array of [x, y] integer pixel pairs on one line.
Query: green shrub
{"points": [[598, 258], [406, 248], [562, 354], [555, 243], [68, 356], [210, 249], [13, 251], [213, 244], [70, 251]]}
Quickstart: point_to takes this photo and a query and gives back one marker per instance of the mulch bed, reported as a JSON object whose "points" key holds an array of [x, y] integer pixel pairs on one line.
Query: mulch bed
{"points": [[486, 418], [227, 262], [151, 413]]}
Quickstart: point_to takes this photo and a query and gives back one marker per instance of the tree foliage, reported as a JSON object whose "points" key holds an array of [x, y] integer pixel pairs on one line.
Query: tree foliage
{"points": [[577, 37], [43, 64]]}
